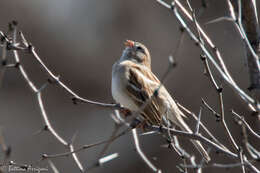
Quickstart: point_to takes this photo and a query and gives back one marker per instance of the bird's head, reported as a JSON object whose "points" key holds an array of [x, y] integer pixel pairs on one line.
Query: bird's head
{"points": [[137, 53]]}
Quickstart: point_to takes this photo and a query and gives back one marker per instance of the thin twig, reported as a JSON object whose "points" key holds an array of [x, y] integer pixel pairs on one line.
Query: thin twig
{"points": [[250, 165], [223, 122], [141, 154], [246, 124], [84, 147], [76, 159], [209, 73], [252, 22], [102, 161], [242, 160], [198, 168], [202, 125], [116, 128], [61, 84], [221, 69], [198, 122], [211, 109], [3, 63], [39, 97], [53, 167], [198, 137], [47, 122], [220, 94]]}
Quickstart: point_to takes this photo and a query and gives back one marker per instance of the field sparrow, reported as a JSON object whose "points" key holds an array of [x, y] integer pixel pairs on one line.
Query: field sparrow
{"points": [[133, 83]]}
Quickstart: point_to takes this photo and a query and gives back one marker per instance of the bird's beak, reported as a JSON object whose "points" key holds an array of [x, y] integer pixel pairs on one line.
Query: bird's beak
{"points": [[129, 43]]}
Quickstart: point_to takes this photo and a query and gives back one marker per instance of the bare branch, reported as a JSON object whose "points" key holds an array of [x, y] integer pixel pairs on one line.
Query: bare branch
{"points": [[246, 124], [108, 158], [76, 159], [242, 160], [250, 165], [140, 152], [221, 69], [53, 167], [61, 84], [116, 129], [202, 125], [198, 122], [195, 137], [84, 147], [47, 122], [39, 98], [223, 122], [250, 35], [102, 161]]}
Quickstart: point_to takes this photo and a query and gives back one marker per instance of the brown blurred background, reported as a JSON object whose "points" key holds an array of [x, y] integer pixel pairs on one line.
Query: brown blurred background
{"points": [[80, 40]]}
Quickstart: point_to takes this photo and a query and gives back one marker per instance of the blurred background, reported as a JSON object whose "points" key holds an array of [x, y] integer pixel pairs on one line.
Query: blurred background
{"points": [[80, 40]]}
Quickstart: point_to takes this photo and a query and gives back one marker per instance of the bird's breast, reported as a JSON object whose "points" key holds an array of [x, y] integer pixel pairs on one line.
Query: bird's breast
{"points": [[118, 88]]}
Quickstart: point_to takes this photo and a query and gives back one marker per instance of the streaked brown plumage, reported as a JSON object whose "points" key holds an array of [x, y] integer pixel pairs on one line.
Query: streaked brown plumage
{"points": [[133, 84]]}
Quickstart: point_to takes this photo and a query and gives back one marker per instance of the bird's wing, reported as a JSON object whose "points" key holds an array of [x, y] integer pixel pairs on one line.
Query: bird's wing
{"points": [[141, 86]]}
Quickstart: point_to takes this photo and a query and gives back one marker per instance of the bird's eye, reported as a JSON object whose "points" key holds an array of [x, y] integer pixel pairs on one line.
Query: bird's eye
{"points": [[139, 48]]}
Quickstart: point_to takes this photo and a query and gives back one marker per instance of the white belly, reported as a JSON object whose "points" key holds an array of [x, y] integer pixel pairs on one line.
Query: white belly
{"points": [[119, 93]]}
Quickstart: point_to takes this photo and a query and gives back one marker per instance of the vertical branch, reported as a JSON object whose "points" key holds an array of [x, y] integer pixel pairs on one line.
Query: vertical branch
{"points": [[53, 167], [198, 122], [39, 98], [241, 156], [220, 68], [203, 41], [76, 159], [141, 154], [116, 128], [3, 62], [250, 34], [220, 94], [202, 125], [5, 148], [251, 26], [47, 122], [225, 125], [197, 168], [20, 67], [244, 126]]}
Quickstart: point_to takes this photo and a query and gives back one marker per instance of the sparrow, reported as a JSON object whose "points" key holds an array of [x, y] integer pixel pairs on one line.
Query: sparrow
{"points": [[133, 85]]}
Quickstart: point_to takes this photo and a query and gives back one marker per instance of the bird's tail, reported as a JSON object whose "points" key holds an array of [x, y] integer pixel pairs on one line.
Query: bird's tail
{"points": [[196, 143]]}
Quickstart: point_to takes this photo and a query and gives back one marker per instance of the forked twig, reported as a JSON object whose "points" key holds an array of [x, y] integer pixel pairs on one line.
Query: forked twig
{"points": [[141, 154]]}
